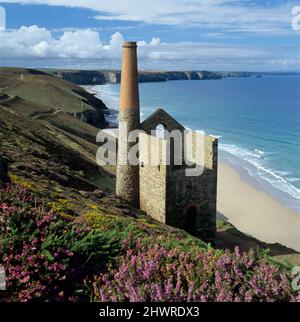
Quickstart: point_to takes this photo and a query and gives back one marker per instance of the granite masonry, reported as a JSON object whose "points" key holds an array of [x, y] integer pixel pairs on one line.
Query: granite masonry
{"points": [[162, 189]]}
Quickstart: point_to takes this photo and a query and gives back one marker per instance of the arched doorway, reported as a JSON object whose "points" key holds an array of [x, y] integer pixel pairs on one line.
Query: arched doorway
{"points": [[190, 219]]}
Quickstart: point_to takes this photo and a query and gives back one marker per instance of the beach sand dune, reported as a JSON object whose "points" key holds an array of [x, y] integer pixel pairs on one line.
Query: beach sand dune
{"points": [[255, 212]]}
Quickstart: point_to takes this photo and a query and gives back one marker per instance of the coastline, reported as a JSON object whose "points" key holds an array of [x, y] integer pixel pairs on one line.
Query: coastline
{"points": [[111, 104], [261, 178], [255, 212], [241, 200]]}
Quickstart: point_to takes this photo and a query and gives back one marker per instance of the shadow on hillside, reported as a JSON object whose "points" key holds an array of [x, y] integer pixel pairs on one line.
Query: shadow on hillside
{"points": [[222, 217], [228, 237]]}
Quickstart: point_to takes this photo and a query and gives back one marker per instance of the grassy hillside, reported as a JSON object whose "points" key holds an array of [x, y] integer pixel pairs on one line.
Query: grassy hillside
{"points": [[113, 253], [40, 94], [39, 128], [65, 236]]}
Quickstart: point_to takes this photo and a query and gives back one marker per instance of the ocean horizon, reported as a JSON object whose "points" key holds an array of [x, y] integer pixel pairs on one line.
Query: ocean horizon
{"points": [[257, 121]]}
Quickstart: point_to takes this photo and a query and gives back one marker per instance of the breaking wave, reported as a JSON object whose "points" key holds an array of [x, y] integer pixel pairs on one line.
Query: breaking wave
{"points": [[256, 164]]}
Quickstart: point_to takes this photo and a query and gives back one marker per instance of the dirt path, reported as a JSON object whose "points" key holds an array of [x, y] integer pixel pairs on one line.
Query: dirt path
{"points": [[37, 115]]}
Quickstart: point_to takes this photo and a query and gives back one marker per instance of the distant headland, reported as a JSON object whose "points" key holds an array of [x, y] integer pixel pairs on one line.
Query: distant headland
{"points": [[110, 76], [100, 77]]}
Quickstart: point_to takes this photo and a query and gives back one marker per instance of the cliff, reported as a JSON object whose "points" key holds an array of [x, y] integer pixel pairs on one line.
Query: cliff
{"points": [[99, 77]]}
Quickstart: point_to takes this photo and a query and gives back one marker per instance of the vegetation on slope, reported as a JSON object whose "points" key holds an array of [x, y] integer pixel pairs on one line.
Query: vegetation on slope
{"points": [[53, 151], [66, 237], [39, 94], [100, 256]]}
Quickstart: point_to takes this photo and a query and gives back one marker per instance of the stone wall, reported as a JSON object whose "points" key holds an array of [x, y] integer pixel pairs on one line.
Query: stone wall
{"points": [[153, 178], [166, 192], [127, 179], [197, 191], [161, 117]]}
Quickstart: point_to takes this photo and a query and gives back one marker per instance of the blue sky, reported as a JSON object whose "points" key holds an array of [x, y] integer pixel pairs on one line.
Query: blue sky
{"points": [[172, 34]]}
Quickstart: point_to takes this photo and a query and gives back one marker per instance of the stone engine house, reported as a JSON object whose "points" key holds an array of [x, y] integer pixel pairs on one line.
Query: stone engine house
{"points": [[163, 190]]}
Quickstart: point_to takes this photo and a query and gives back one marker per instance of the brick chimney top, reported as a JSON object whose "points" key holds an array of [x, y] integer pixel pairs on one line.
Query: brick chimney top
{"points": [[128, 44]]}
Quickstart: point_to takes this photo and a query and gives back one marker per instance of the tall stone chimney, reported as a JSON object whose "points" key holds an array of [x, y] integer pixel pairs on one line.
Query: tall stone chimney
{"points": [[127, 185]]}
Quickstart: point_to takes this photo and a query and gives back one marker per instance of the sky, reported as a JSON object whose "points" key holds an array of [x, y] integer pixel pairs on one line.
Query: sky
{"points": [[223, 35]]}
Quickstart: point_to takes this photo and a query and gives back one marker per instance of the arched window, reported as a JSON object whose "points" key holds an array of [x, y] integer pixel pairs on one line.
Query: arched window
{"points": [[190, 219], [160, 131]]}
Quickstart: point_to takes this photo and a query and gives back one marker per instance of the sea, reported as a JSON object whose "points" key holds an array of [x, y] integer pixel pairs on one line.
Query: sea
{"points": [[257, 121]]}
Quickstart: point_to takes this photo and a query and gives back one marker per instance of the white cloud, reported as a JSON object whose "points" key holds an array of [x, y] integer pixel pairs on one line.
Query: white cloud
{"points": [[25, 42], [85, 49], [115, 45], [41, 49], [34, 42], [78, 44], [236, 15], [215, 19], [155, 41]]}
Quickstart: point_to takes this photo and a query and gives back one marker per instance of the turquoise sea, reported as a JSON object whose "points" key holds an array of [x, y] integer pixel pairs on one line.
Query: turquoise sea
{"points": [[257, 121]]}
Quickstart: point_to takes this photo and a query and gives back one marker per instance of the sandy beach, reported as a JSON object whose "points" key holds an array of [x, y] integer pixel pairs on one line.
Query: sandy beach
{"points": [[255, 212]]}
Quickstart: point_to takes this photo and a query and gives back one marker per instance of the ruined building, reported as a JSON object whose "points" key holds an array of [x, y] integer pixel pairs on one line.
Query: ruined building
{"points": [[163, 191]]}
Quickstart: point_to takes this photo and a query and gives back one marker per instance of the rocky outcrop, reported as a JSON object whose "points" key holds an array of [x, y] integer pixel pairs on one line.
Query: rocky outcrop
{"points": [[95, 115], [88, 77], [235, 74]]}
